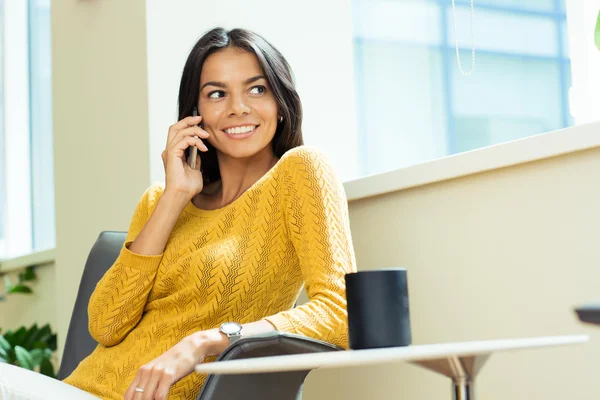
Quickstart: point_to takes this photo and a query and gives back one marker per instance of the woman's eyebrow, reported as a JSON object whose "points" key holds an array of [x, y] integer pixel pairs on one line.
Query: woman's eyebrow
{"points": [[223, 85]]}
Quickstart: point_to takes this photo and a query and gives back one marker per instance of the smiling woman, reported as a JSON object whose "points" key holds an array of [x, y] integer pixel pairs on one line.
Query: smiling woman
{"points": [[237, 72], [222, 250]]}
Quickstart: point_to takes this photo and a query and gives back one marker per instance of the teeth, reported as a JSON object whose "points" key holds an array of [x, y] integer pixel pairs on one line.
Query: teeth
{"points": [[240, 129]]}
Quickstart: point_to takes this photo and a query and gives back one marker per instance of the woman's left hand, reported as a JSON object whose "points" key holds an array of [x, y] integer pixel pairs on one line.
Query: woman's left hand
{"points": [[156, 377]]}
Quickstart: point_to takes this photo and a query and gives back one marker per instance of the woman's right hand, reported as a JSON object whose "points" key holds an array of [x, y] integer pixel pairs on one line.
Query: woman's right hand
{"points": [[180, 177]]}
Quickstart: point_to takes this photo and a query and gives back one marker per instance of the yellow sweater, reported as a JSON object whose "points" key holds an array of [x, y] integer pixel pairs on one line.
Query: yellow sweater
{"points": [[244, 262]]}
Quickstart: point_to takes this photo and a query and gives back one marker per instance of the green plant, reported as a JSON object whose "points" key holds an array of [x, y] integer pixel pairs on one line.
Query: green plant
{"points": [[27, 275], [29, 348], [597, 35]]}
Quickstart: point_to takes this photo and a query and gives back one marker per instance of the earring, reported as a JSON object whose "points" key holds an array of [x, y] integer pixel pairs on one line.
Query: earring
{"points": [[281, 118]]}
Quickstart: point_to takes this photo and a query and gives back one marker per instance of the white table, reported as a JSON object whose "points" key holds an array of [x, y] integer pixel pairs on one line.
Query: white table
{"points": [[459, 361]]}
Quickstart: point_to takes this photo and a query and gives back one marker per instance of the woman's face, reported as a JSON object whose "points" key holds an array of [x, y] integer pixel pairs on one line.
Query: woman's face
{"points": [[237, 106]]}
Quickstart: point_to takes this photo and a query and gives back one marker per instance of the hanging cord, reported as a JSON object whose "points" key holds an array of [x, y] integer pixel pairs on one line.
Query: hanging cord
{"points": [[456, 41]]}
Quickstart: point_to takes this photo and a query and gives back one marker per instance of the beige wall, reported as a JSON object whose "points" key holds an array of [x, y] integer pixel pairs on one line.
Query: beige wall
{"points": [[101, 145], [501, 254], [27, 309]]}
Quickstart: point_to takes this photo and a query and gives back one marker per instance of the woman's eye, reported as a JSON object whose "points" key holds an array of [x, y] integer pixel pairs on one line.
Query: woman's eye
{"points": [[217, 94], [258, 89]]}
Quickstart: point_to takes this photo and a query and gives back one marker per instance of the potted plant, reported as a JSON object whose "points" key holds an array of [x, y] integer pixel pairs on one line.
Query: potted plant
{"points": [[31, 348]]}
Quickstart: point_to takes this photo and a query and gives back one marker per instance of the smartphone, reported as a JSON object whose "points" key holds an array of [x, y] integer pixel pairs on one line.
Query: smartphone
{"points": [[192, 150]]}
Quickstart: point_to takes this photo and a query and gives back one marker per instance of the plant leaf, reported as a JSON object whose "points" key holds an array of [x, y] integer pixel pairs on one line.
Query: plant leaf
{"points": [[16, 339], [597, 35], [4, 344], [8, 349], [24, 358], [36, 357], [28, 275], [39, 345], [3, 354], [46, 368], [20, 289], [52, 342], [29, 338], [45, 335]]}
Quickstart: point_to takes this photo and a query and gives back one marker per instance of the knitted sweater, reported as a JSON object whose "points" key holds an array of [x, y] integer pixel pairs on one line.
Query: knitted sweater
{"points": [[244, 262]]}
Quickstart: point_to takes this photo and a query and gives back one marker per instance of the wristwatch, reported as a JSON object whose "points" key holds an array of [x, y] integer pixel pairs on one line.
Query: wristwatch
{"points": [[232, 330]]}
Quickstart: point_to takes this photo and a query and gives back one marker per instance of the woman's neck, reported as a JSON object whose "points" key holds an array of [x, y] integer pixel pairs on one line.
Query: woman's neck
{"points": [[239, 174]]}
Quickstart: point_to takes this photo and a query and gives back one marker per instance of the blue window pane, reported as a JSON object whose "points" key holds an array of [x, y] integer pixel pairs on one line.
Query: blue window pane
{"points": [[400, 104], [410, 21], [413, 103], [504, 32], [537, 5], [508, 98], [42, 179], [564, 38]]}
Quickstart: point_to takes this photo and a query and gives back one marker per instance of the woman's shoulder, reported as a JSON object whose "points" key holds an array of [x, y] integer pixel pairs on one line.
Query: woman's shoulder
{"points": [[308, 167], [307, 156], [152, 194]]}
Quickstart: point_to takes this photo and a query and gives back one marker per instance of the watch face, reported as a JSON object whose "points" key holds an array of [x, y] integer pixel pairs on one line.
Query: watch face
{"points": [[231, 328]]}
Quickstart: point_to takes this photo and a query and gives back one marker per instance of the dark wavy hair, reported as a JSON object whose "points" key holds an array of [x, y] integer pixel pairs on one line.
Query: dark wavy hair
{"points": [[277, 71]]}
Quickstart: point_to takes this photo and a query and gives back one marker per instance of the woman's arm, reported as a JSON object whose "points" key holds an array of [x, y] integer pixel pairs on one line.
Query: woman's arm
{"points": [[319, 228], [118, 301]]}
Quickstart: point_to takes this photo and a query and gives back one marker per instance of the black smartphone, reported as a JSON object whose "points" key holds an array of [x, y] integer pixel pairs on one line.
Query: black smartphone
{"points": [[192, 154]]}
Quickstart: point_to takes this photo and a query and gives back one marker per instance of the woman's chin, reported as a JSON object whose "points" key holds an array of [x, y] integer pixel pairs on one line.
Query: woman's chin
{"points": [[243, 150]]}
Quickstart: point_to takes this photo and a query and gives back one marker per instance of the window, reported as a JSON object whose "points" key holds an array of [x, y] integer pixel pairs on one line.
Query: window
{"points": [[2, 167], [416, 105], [42, 153], [26, 167]]}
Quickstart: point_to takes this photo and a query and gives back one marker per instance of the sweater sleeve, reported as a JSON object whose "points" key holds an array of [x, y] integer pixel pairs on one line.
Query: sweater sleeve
{"points": [[319, 228], [118, 301]]}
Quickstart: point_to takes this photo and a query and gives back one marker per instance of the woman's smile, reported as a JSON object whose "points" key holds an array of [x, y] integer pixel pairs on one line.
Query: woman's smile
{"points": [[239, 132]]}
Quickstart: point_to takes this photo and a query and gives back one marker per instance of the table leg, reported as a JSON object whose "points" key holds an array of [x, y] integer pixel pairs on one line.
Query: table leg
{"points": [[462, 390], [462, 371]]}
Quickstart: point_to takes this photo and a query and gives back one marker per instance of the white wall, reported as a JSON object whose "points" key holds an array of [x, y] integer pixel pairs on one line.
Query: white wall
{"points": [[315, 36]]}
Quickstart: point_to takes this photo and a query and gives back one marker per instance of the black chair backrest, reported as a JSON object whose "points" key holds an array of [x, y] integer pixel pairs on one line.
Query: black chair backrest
{"points": [[79, 343], [263, 386]]}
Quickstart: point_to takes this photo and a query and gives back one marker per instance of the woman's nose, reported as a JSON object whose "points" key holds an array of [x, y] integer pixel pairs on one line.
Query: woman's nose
{"points": [[238, 106]]}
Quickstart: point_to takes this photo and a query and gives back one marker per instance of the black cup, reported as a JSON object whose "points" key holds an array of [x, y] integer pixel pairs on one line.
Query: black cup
{"points": [[378, 310]]}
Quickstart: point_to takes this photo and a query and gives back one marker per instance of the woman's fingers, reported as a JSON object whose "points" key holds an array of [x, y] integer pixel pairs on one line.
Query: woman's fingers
{"points": [[183, 124], [140, 381], [168, 378], [156, 375], [192, 131], [131, 389], [179, 149], [187, 141]]}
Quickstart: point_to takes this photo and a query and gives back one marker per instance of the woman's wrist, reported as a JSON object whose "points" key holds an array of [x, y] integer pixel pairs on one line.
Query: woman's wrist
{"points": [[212, 342], [175, 198], [209, 343]]}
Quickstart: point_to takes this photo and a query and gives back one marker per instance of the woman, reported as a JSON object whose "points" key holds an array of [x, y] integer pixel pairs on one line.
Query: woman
{"points": [[222, 250]]}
